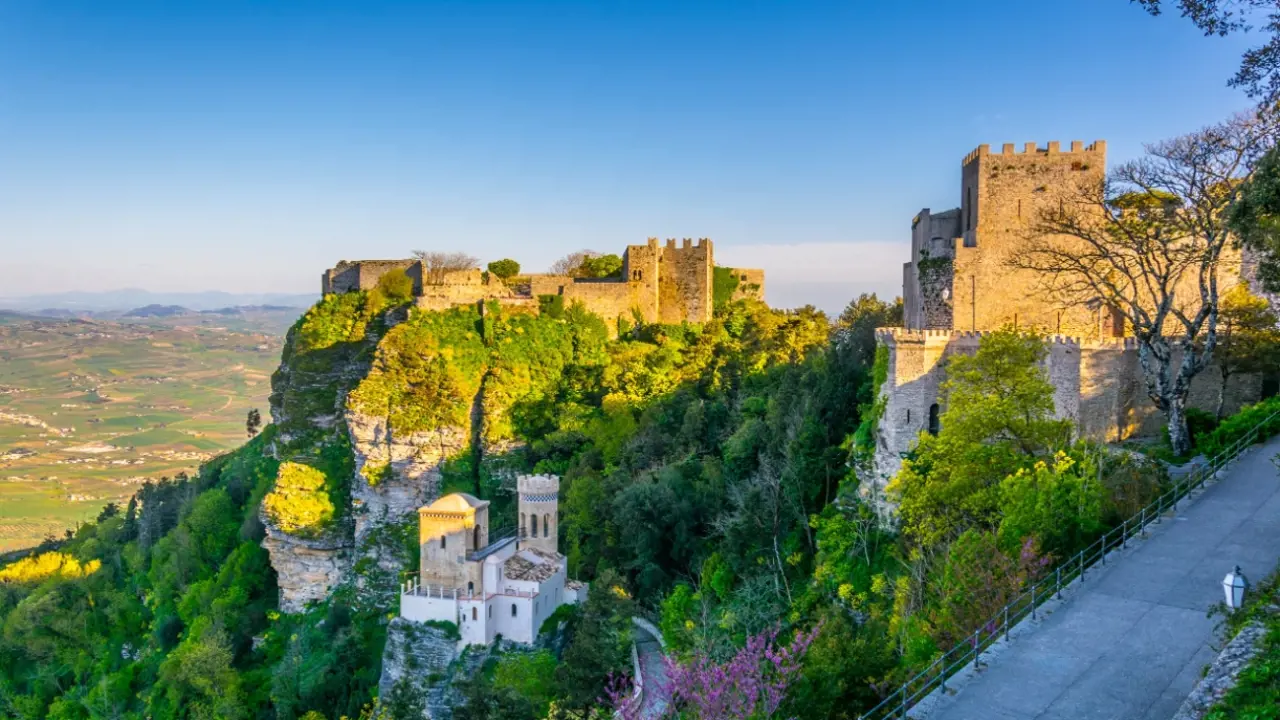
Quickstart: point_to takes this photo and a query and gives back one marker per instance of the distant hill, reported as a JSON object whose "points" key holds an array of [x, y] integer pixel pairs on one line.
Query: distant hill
{"points": [[158, 311], [84, 304]]}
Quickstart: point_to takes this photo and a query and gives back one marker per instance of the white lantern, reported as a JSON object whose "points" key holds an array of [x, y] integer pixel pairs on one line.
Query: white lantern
{"points": [[1234, 585]]}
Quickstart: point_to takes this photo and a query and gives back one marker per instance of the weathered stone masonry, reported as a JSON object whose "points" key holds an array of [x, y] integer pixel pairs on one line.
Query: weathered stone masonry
{"points": [[1098, 385], [661, 283]]}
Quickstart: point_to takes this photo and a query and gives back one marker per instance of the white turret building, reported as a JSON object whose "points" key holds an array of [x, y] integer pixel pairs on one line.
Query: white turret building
{"points": [[505, 586]]}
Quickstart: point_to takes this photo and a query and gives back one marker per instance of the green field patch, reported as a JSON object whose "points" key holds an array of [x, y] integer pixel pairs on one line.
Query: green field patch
{"points": [[143, 421], [166, 437]]}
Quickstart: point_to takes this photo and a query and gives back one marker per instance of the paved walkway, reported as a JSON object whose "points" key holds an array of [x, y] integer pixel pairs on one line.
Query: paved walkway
{"points": [[653, 700], [1130, 642]]}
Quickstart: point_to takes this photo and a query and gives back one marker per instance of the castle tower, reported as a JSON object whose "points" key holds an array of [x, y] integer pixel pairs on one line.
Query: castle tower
{"points": [[1003, 195], [538, 504], [449, 529], [685, 281]]}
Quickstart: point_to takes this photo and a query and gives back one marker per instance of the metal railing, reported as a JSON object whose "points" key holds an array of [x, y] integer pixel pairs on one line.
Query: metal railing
{"points": [[898, 703]]}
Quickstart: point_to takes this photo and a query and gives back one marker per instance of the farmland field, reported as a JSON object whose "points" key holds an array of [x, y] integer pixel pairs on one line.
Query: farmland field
{"points": [[91, 409]]}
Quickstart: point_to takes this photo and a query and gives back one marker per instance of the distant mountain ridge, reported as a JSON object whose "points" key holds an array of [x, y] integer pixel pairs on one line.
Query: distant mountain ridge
{"points": [[130, 299]]}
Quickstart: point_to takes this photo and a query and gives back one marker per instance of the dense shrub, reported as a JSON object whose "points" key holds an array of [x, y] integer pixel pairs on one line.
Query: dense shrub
{"points": [[300, 502], [1238, 426]]}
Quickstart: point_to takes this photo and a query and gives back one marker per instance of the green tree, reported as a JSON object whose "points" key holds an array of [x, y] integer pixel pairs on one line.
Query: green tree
{"points": [[998, 419], [1249, 341], [253, 422], [1060, 503], [601, 266], [504, 268], [396, 287], [600, 644]]}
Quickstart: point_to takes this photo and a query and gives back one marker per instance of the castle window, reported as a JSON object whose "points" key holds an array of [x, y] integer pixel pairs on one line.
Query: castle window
{"points": [[533, 525], [934, 423], [546, 525], [476, 540], [473, 614], [524, 528], [968, 219], [489, 612], [471, 588], [513, 609], [442, 541]]}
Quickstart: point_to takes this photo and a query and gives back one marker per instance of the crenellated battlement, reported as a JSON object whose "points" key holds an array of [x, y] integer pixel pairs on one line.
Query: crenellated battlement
{"points": [[1034, 149], [899, 335]]}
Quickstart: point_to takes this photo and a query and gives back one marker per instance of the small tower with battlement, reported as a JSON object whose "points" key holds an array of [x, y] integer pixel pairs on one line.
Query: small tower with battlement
{"points": [[538, 504]]}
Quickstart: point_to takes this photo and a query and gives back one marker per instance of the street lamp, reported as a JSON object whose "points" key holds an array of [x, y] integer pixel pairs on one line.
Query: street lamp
{"points": [[1234, 585]]}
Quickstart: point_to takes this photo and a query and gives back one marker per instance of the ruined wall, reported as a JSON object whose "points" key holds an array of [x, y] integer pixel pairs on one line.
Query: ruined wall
{"points": [[1002, 197], [348, 276], [670, 284], [927, 278], [750, 284]]}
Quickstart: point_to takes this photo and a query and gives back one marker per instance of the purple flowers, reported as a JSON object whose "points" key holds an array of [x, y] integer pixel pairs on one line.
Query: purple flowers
{"points": [[752, 684]]}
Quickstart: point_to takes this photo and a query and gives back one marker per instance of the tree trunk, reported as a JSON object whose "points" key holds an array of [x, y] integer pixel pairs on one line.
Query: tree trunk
{"points": [[1178, 436], [1222, 392]]}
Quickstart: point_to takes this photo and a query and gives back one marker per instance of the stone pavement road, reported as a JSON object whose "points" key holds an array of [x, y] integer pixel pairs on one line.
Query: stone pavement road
{"points": [[1130, 642]]}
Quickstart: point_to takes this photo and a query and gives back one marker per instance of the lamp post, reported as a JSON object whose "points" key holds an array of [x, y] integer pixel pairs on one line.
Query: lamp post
{"points": [[1234, 585]]}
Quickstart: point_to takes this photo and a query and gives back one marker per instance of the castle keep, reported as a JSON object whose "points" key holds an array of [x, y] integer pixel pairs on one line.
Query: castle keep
{"points": [[659, 283], [958, 286]]}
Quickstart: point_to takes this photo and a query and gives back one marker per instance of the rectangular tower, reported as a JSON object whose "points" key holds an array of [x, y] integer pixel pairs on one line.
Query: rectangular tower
{"points": [[1002, 197]]}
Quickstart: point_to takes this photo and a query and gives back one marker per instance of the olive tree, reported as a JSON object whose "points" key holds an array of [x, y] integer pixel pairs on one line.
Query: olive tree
{"points": [[1148, 242]]}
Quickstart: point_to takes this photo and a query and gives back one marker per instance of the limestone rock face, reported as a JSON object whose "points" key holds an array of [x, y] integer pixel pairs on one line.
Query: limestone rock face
{"points": [[306, 569], [417, 653], [396, 475]]}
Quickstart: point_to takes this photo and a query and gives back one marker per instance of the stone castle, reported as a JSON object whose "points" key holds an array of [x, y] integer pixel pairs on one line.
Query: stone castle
{"points": [[958, 286], [658, 283]]}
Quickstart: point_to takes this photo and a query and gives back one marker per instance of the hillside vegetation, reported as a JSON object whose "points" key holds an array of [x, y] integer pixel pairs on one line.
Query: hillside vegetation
{"points": [[706, 482]]}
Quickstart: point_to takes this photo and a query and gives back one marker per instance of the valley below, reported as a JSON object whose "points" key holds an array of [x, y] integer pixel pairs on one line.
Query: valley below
{"points": [[91, 409]]}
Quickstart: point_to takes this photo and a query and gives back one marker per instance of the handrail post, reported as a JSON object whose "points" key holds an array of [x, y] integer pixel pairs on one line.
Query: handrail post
{"points": [[1124, 533], [1033, 601], [1006, 622], [1057, 583]]}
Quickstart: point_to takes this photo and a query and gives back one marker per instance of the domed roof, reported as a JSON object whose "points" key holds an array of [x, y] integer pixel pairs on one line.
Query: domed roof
{"points": [[457, 502]]}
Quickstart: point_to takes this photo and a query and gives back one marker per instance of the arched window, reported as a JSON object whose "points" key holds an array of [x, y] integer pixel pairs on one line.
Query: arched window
{"points": [[442, 539], [934, 423], [476, 540], [474, 616], [546, 525], [523, 526], [533, 525], [513, 609], [489, 612], [471, 588]]}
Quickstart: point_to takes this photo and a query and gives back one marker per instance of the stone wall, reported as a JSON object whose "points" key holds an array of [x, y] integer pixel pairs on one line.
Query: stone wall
{"points": [[349, 276], [750, 284], [670, 284], [1099, 385]]}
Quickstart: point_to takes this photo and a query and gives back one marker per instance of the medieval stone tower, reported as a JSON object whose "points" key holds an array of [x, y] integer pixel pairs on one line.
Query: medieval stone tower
{"points": [[538, 503], [958, 277]]}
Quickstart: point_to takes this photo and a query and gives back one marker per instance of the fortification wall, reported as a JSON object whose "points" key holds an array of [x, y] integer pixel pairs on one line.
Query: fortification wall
{"points": [[664, 284], [750, 284], [349, 276], [1099, 385]]}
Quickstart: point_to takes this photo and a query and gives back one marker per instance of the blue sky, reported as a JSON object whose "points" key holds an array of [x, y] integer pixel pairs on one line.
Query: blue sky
{"points": [[246, 146]]}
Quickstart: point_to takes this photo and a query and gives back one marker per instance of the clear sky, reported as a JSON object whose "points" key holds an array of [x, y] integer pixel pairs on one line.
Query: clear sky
{"points": [[246, 146]]}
